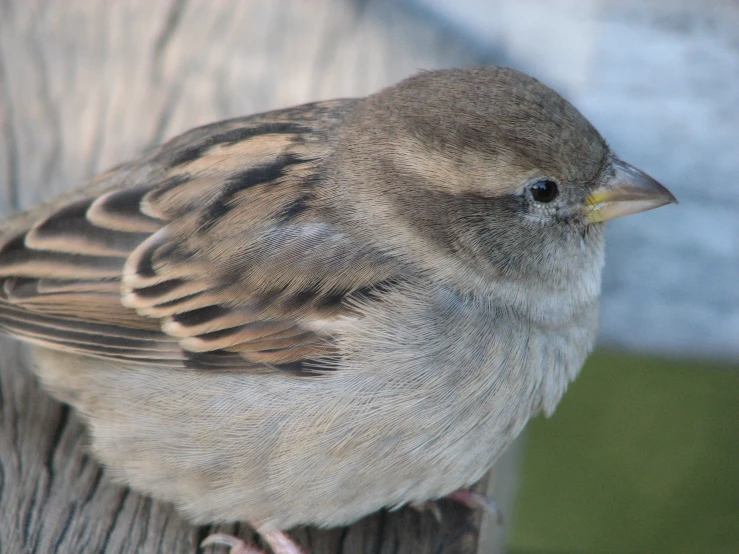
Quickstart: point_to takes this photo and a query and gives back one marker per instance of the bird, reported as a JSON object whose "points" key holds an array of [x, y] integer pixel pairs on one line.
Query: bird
{"points": [[304, 316]]}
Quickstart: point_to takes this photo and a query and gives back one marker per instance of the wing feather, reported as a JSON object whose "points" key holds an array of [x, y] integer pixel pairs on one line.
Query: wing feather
{"points": [[211, 253]]}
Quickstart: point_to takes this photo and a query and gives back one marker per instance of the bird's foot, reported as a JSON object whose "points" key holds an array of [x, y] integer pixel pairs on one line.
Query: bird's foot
{"points": [[278, 541], [468, 498], [475, 500], [236, 545]]}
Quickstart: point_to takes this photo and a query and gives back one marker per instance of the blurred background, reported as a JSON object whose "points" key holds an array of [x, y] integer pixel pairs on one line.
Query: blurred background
{"points": [[642, 454]]}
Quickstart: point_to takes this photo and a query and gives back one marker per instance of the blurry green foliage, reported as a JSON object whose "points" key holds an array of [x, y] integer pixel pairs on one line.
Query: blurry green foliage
{"points": [[642, 455]]}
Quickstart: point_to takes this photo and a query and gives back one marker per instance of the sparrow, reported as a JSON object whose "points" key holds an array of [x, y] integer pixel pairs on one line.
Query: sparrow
{"points": [[307, 315]]}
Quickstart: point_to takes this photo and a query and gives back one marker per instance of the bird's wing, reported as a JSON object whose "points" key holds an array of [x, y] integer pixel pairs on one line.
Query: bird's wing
{"points": [[210, 253]]}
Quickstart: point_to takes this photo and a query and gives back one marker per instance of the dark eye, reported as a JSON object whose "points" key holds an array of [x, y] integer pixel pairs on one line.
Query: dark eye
{"points": [[544, 191]]}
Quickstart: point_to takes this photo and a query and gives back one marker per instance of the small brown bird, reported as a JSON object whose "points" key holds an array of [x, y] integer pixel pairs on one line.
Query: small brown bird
{"points": [[304, 316]]}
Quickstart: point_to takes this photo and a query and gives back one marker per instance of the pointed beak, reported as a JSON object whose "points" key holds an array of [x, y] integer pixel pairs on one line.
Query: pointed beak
{"points": [[625, 191]]}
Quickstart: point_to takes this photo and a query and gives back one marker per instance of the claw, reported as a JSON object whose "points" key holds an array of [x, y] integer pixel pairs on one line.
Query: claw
{"points": [[475, 500], [278, 541], [236, 545]]}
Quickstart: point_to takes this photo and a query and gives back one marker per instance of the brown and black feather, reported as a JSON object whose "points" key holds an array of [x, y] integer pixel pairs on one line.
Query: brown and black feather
{"points": [[208, 253]]}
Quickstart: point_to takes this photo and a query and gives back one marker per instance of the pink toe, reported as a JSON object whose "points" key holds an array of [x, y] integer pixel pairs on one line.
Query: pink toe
{"points": [[281, 543], [236, 545]]}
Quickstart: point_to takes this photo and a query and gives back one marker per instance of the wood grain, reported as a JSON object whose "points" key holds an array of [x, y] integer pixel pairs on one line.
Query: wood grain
{"points": [[85, 84]]}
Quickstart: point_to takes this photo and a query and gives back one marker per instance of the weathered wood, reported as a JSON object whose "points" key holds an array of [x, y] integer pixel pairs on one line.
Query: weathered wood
{"points": [[85, 84]]}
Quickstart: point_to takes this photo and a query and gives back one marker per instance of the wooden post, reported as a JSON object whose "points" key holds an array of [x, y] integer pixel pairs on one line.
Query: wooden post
{"points": [[86, 84]]}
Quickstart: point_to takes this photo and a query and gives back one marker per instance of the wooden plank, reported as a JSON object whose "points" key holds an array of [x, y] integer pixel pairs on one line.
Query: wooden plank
{"points": [[85, 84]]}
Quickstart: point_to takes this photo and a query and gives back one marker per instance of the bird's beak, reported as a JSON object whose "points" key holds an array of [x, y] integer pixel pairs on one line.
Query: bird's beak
{"points": [[625, 191]]}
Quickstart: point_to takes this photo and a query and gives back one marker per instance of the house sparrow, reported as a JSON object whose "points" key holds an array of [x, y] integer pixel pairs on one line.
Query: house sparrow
{"points": [[304, 316]]}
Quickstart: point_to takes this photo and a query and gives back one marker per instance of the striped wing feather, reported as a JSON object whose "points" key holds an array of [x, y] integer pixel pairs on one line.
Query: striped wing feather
{"points": [[208, 253]]}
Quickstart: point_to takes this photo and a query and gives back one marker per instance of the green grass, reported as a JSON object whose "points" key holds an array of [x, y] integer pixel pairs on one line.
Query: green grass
{"points": [[642, 455]]}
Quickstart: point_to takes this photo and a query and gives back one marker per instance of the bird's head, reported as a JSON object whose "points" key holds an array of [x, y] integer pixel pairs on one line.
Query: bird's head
{"points": [[488, 170]]}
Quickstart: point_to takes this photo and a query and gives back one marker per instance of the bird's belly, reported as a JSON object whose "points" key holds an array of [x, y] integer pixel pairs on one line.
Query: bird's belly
{"points": [[331, 467], [253, 450]]}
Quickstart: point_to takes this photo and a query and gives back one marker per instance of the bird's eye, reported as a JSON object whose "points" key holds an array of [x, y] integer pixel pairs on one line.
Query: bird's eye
{"points": [[544, 191]]}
